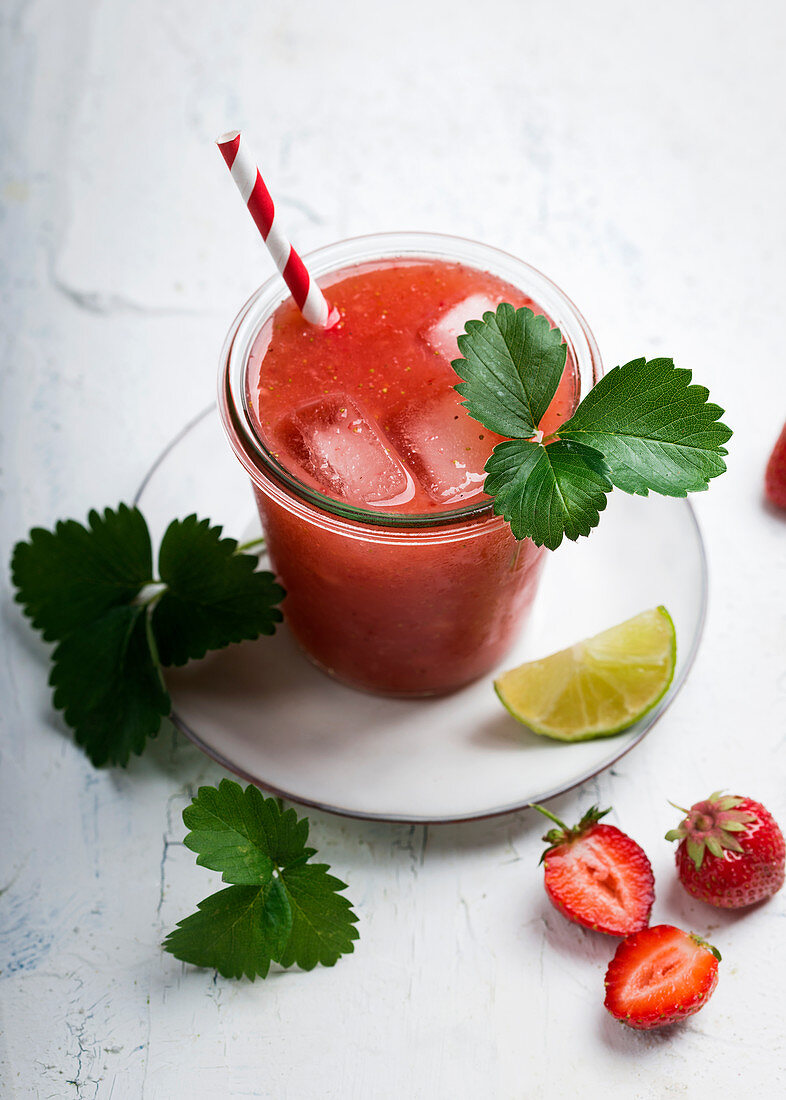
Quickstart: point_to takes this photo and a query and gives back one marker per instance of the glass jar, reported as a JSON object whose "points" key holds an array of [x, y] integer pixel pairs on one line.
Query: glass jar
{"points": [[400, 604]]}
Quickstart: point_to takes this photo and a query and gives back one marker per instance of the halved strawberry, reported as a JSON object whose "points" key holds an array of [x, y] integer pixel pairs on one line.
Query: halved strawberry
{"points": [[660, 975], [775, 474], [597, 876]]}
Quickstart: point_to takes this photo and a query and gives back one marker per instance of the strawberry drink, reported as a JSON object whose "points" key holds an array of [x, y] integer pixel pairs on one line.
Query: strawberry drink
{"points": [[367, 470]]}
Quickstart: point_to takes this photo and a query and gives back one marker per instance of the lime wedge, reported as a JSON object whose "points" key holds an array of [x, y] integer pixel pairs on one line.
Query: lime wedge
{"points": [[596, 687]]}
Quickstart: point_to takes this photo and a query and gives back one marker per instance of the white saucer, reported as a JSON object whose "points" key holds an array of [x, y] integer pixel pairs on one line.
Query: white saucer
{"points": [[264, 712]]}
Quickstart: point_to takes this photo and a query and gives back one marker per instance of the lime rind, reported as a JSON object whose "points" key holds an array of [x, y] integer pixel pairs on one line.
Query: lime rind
{"points": [[597, 687]]}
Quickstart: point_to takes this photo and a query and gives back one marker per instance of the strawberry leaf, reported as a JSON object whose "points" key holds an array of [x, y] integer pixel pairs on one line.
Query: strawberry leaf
{"points": [[108, 685], [282, 907], [643, 427], [214, 595], [322, 920], [546, 493], [70, 576], [82, 586], [237, 931], [242, 834], [655, 430], [513, 361]]}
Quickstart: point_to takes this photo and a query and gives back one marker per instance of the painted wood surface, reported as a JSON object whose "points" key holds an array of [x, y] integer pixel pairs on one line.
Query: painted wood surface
{"points": [[635, 154]]}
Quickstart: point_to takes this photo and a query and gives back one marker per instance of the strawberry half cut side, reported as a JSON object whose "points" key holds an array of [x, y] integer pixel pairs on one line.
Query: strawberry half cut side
{"points": [[597, 876], [659, 976]]}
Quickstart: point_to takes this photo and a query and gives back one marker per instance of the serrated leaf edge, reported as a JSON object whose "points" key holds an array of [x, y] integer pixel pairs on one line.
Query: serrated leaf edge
{"points": [[278, 875]]}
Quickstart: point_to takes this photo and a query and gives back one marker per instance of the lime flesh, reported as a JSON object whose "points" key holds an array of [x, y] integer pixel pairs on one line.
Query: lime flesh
{"points": [[596, 687]]}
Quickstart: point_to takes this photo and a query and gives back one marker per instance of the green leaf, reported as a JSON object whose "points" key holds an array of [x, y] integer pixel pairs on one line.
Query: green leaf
{"points": [[213, 597], [81, 587], [72, 575], [643, 427], [513, 361], [108, 684], [546, 493], [282, 908], [243, 834], [322, 920], [655, 430], [237, 931]]}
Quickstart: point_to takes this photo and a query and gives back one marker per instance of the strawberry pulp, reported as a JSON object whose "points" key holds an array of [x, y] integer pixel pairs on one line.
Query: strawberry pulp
{"points": [[597, 876], [660, 975]]}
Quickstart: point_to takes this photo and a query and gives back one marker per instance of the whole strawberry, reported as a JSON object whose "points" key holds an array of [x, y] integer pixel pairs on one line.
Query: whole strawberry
{"points": [[597, 876], [731, 851], [660, 975], [775, 474]]}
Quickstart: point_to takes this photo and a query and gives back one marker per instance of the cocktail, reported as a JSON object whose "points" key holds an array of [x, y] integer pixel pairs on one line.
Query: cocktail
{"points": [[367, 470]]}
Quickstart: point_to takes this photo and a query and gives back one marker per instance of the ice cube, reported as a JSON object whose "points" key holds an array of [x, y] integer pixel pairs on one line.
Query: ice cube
{"points": [[343, 452], [441, 334], [444, 447]]}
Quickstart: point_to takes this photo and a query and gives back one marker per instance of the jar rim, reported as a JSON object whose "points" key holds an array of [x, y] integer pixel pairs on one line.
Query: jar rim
{"points": [[268, 473]]}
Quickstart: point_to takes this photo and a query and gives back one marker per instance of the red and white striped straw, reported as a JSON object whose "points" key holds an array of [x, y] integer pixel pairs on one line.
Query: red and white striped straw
{"points": [[242, 166]]}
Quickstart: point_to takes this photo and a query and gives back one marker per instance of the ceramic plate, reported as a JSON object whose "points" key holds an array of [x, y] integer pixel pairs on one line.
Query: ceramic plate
{"points": [[265, 713]]}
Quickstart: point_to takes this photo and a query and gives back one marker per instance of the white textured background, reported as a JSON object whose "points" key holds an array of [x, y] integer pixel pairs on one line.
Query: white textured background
{"points": [[637, 153]]}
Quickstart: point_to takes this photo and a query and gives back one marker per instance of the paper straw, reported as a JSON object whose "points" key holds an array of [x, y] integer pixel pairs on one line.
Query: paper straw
{"points": [[242, 166]]}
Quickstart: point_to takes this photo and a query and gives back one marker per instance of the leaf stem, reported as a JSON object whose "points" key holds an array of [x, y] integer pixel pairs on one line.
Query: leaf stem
{"points": [[244, 546], [546, 813], [146, 598]]}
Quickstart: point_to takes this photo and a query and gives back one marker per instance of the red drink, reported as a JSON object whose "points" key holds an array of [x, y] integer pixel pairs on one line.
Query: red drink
{"points": [[368, 472], [367, 411]]}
